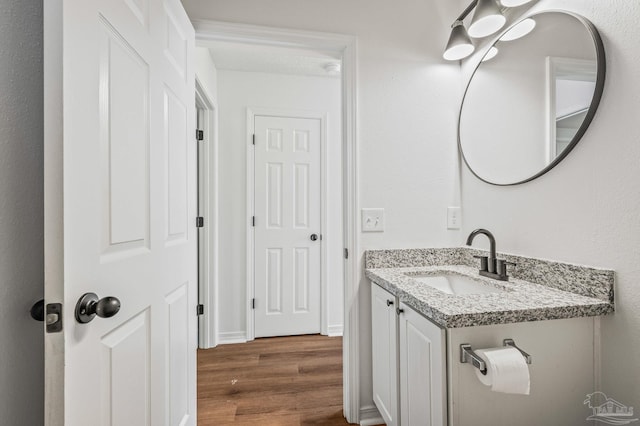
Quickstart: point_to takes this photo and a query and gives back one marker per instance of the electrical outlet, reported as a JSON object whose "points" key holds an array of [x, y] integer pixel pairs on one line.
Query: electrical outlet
{"points": [[453, 218], [372, 220]]}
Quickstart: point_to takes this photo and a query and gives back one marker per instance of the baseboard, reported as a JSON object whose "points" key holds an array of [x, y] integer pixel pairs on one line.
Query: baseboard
{"points": [[334, 330], [231, 337], [370, 416]]}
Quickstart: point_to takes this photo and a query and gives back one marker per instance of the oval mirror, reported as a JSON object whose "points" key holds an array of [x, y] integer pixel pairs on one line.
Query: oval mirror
{"points": [[531, 98]]}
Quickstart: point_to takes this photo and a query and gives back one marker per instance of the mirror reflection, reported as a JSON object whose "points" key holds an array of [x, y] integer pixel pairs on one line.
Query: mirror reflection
{"points": [[531, 98]]}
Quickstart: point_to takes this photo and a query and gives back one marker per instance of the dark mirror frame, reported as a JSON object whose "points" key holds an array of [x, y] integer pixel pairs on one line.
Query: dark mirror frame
{"points": [[593, 106]]}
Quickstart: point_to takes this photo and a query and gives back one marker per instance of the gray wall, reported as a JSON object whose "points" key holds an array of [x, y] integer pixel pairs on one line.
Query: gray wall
{"points": [[21, 212]]}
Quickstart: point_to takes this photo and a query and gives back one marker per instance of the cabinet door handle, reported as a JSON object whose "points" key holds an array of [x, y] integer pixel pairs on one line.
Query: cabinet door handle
{"points": [[389, 302], [399, 311]]}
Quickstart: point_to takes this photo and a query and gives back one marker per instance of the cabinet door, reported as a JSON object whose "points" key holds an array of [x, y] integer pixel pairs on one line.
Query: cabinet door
{"points": [[384, 342], [422, 370]]}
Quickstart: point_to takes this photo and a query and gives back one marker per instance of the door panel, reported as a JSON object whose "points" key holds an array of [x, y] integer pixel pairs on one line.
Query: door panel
{"points": [[124, 131], [178, 353], [422, 370], [384, 354], [126, 224], [175, 124], [287, 212], [301, 280], [125, 372]]}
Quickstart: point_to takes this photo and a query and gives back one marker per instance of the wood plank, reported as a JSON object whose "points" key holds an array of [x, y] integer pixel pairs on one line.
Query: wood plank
{"points": [[293, 380]]}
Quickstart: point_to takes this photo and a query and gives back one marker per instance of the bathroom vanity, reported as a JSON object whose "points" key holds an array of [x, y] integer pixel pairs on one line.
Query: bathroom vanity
{"points": [[426, 303]]}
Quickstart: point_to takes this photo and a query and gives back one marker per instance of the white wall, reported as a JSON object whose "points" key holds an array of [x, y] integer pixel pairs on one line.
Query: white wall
{"points": [[407, 106], [239, 90], [21, 212], [586, 209]]}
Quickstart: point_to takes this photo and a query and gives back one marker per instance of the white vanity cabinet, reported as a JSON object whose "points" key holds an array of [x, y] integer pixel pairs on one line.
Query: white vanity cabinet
{"points": [[419, 380], [409, 371], [384, 342]]}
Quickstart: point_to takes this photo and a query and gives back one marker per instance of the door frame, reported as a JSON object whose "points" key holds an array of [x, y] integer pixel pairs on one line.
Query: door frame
{"points": [[208, 206], [346, 45], [252, 112]]}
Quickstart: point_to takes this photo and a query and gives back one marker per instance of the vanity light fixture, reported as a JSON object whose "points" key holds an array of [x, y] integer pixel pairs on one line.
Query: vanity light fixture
{"points": [[459, 45], [491, 53], [487, 19], [519, 30]]}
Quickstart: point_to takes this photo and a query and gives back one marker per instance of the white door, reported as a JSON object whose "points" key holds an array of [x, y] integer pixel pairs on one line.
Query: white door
{"points": [[423, 396], [120, 208], [287, 226]]}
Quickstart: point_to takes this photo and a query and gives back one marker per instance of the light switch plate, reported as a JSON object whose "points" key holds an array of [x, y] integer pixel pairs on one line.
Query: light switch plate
{"points": [[372, 220], [453, 218]]}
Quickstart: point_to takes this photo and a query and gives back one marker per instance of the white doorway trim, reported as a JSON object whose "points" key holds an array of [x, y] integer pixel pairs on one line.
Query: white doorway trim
{"points": [[345, 45], [252, 112], [208, 208]]}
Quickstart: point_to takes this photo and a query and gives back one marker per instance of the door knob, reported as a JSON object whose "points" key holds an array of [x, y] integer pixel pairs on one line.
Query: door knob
{"points": [[37, 310], [89, 306], [314, 237]]}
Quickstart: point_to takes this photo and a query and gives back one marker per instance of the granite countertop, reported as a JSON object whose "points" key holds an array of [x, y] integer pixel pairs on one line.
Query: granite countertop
{"points": [[566, 291]]}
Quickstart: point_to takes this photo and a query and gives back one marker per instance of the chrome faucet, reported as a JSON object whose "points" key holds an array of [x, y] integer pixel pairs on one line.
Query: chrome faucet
{"points": [[490, 266]]}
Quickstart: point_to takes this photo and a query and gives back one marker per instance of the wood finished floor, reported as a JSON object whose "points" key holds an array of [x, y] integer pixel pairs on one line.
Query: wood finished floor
{"points": [[293, 380]]}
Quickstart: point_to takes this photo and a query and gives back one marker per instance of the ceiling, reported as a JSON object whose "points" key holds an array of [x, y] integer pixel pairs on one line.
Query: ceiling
{"points": [[271, 59]]}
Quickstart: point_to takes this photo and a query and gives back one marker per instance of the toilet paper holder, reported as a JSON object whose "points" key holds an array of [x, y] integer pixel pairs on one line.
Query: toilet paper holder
{"points": [[467, 355]]}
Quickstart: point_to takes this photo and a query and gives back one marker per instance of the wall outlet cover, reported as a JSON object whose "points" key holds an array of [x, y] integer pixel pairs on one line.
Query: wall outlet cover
{"points": [[373, 220], [453, 218]]}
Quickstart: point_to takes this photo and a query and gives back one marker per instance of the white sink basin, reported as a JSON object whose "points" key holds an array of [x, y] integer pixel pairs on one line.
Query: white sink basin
{"points": [[456, 284]]}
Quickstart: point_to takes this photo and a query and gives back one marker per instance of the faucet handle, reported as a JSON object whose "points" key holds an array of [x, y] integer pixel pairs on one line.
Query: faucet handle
{"points": [[484, 262], [502, 266]]}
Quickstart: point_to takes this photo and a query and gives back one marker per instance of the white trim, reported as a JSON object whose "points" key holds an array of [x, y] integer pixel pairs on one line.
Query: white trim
{"points": [[208, 249], [232, 337], [251, 230], [324, 255], [562, 67], [252, 112], [351, 223], [347, 46], [370, 416], [334, 330], [54, 347]]}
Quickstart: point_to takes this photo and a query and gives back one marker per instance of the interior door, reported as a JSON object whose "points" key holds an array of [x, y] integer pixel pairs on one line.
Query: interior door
{"points": [[120, 208], [287, 226]]}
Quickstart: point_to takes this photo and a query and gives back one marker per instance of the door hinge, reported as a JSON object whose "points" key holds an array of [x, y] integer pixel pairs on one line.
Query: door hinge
{"points": [[199, 135], [254, 139], [200, 309], [253, 221], [53, 317], [346, 253], [253, 303], [199, 222]]}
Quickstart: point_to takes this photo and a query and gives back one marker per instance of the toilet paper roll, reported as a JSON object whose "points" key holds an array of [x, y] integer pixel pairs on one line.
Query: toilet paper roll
{"points": [[507, 370]]}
